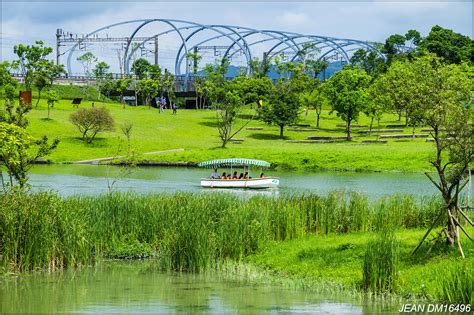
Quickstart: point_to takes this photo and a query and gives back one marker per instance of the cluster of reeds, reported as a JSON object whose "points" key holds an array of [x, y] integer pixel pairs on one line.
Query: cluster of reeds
{"points": [[185, 231], [381, 262], [455, 281]]}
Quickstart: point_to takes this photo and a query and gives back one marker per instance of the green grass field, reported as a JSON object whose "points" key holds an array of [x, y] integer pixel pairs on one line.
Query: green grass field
{"points": [[195, 132], [338, 259]]}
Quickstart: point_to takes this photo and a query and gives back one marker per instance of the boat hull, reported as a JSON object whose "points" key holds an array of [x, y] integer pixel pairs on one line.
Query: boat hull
{"points": [[253, 183]]}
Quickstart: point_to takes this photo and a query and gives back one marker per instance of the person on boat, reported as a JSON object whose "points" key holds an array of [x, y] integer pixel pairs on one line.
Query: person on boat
{"points": [[262, 175], [246, 175], [224, 175], [228, 177], [215, 175], [235, 175], [241, 175]]}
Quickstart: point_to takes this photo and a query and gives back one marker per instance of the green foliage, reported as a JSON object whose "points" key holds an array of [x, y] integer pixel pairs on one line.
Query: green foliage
{"points": [[455, 282], [31, 59], [314, 99], [91, 121], [87, 60], [18, 149], [140, 68], [188, 232], [347, 91], [45, 74], [148, 88], [382, 263], [453, 47], [51, 97], [101, 70]]}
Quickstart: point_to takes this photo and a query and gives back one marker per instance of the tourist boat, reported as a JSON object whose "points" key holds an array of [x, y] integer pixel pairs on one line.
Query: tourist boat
{"points": [[233, 164]]}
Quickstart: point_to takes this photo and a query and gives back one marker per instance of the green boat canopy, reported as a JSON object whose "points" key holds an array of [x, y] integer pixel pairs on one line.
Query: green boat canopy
{"points": [[233, 162]]}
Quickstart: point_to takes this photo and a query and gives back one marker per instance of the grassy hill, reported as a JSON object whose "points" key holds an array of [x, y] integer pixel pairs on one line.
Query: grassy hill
{"points": [[195, 132]]}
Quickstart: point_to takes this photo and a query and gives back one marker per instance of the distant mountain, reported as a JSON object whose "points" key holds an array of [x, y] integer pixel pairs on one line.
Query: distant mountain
{"points": [[333, 67]]}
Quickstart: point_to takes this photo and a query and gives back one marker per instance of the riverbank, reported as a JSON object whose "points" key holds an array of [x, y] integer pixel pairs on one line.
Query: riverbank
{"points": [[318, 239], [195, 132]]}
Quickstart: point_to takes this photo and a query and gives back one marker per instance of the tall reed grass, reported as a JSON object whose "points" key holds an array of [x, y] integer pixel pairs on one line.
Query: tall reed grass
{"points": [[186, 231], [455, 282], [381, 262]]}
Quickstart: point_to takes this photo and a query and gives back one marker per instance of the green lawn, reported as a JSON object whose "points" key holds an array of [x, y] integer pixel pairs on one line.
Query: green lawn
{"points": [[195, 132], [338, 259]]}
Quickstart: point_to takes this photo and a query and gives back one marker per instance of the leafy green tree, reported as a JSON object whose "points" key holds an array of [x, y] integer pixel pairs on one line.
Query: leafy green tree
{"points": [[314, 99], [198, 82], [452, 47], [259, 69], [369, 61], [91, 121], [12, 113], [87, 60], [148, 88], [282, 108], [226, 113], [253, 90], [46, 73], [101, 70], [443, 93], [18, 149], [51, 97], [347, 92], [140, 68], [30, 59], [121, 86]]}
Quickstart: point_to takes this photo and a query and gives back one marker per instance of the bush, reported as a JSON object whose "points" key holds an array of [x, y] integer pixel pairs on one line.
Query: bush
{"points": [[91, 121]]}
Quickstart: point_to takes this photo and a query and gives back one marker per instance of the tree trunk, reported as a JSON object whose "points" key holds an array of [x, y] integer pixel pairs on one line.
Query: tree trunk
{"points": [[281, 131], [348, 130], [39, 96], [317, 119], [48, 110], [413, 133], [371, 124], [406, 119]]}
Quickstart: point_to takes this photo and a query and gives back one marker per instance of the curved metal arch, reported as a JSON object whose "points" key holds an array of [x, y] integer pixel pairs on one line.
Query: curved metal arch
{"points": [[157, 35], [125, 57], [178, 60], [180, 57], [238, 36]]}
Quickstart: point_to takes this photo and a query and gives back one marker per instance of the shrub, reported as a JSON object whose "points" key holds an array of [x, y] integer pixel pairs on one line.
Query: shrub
{"points": [[91, 121]]}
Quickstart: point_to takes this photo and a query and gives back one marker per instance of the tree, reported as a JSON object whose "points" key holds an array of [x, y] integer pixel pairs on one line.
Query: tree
{"points": [[369, 61], [106, 85], [121, 86], [140, 68], [101, 70], [282, 108], [198, 82], [11, 113], [87, 60], [314, 99], [148, 88], [45, 75], [18, 150], [259, 69], [226, 113], [126, 128], [346, 90], [30, 59], [253, 90], [452, 47], [91, 121], [443, 92], [51, 97]]}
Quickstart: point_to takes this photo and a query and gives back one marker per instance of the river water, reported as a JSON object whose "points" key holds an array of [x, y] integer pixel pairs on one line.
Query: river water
{"points": [[140, 288], [94, 179]]}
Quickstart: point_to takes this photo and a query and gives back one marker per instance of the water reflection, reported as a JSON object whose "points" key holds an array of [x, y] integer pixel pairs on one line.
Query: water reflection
{"points": [[139, 287], [93, 179]]}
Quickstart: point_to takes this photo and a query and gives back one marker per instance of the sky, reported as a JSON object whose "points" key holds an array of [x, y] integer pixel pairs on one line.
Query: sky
{"points": [[26, 22]]}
